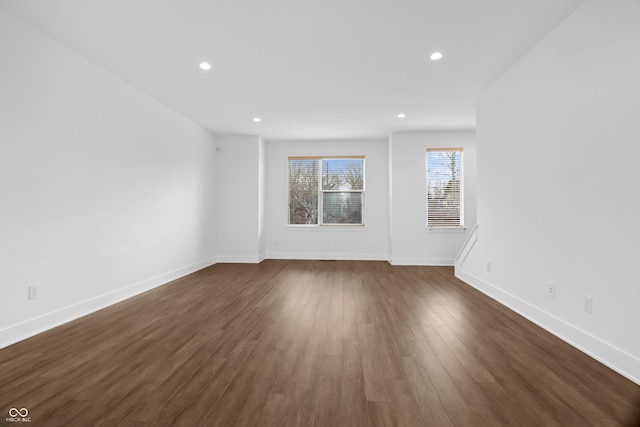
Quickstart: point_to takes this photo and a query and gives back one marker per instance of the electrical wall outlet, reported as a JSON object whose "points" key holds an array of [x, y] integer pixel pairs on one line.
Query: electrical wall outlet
{"points": [[488, 266], [588, 304], [33, 291], [551, 290]]}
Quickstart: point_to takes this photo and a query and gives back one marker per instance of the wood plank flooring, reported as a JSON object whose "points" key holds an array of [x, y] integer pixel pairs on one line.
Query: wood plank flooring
{"points": [[310, 343]]}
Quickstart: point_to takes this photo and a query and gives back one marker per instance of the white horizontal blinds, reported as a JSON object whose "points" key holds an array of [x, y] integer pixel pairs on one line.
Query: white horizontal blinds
{"points": [[326, 190], [343, 207], [303, 190], [342, 188], [444, 188]]}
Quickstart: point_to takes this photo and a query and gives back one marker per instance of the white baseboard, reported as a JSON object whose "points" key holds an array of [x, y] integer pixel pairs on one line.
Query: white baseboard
{"points": [[240, 259], [422, 261], [618, 360], [20, 331], [328, 256]]}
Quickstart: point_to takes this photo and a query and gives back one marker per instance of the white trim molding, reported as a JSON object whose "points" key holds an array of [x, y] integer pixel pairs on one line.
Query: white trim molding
{"points": [[618, 360], [422, 261], [21, 331], [328, 256], [240, 259]]}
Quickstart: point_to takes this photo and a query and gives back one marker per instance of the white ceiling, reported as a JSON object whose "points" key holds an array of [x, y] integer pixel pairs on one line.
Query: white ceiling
{"points": [[320, 69]]}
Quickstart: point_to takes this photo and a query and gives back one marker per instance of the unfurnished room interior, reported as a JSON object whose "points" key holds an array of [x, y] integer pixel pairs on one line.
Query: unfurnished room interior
{"points": [[319, 213]]}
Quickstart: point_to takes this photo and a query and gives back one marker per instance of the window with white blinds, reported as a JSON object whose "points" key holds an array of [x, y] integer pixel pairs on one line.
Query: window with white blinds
{"points": [[444, 188], [326, 191]]}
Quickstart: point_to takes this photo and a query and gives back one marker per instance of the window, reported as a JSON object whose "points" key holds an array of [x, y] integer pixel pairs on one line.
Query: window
{"points": [[326, 191], [444, 188]]}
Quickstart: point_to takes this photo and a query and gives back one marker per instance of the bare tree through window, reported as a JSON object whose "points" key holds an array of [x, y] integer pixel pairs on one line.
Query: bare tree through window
{"points": [[444, 188], [326, 190]]}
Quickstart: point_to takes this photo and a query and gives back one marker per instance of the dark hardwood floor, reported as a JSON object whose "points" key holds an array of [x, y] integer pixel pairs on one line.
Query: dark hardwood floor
{"points": [[301, 343]]}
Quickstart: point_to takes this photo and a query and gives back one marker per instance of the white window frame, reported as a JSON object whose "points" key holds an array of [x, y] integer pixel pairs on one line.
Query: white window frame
{"points": [[445, 227], [321, 191]]}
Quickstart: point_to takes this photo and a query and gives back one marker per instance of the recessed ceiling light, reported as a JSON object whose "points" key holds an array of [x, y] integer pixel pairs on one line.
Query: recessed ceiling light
{"points": [[402, 116], [435, 56], [257, 119], [205, 66]]}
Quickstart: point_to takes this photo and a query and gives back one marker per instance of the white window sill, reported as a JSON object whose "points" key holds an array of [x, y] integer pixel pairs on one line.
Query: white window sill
{"points": [[446, 229], [332, 227]]}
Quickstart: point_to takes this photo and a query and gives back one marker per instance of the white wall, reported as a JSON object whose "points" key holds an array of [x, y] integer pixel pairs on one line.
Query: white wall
{"points": [[558, 147], [238, 198], [368, 242], [104, 192], [411, 242]]}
